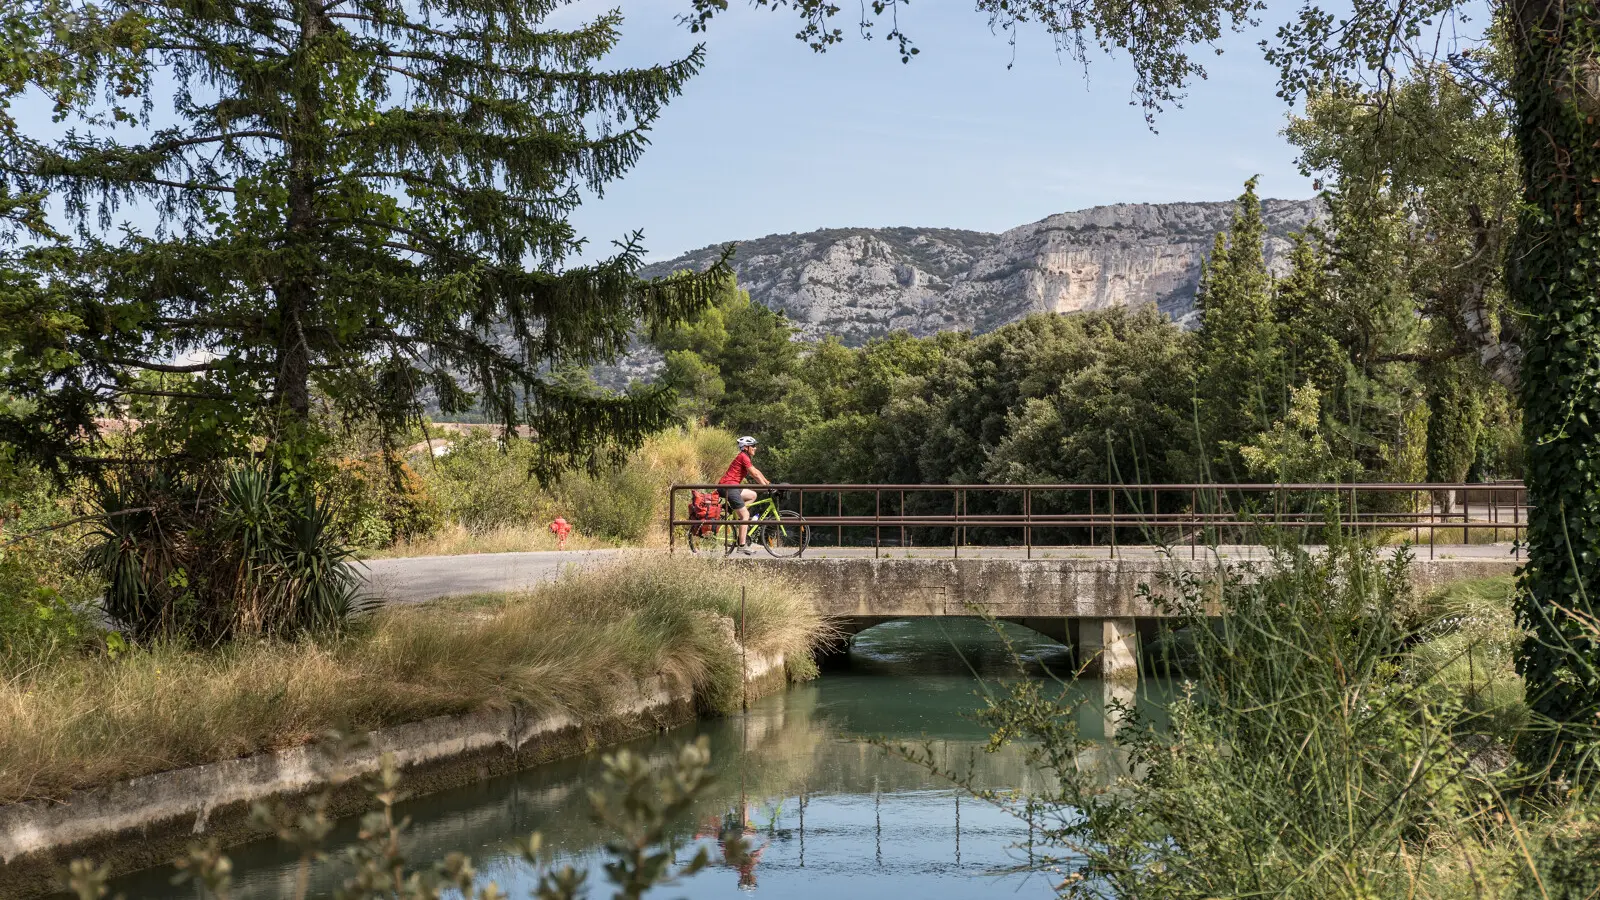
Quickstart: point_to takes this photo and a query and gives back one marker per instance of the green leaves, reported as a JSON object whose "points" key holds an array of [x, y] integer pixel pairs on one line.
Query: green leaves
{"points": [[359, 203]]}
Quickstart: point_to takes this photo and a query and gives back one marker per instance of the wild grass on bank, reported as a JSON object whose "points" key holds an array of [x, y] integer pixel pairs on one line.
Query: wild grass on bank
{"points": [[568, 646], [1338, 737]]}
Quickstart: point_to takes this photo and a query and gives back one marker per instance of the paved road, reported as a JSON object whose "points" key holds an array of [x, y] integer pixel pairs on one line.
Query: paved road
{"points": [[428, 577]]}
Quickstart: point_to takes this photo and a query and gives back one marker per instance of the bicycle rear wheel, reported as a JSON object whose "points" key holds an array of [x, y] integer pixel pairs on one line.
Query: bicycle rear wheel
{"points": [[708, 542], [784, 536]]}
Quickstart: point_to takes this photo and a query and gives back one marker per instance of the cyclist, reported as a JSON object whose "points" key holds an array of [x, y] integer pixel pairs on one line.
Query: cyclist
{"points": [[743, 466]]}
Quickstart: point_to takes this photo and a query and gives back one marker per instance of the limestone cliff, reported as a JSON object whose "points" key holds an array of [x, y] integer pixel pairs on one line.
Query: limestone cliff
{"points": [[859, 283]]}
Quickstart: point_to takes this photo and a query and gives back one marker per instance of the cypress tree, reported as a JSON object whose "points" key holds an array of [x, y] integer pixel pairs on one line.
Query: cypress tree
{"points": [[1455, 419], [361, 199], [1303, 308], [1239, 379]]}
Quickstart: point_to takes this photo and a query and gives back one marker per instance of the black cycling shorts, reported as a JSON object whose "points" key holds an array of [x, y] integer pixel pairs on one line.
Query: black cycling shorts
{"points": [[734, 496]]}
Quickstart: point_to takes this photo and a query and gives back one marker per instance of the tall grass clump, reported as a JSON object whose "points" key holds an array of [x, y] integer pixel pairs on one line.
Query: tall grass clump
{"points": [[569, 646], [1326, 745]]}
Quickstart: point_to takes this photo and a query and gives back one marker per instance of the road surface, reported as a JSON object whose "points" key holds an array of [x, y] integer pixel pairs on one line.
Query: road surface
{"points": [[412, 579]]}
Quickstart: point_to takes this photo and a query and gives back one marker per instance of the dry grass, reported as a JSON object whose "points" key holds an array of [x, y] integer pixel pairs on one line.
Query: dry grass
{"points": [[566, 646], [454, 540]]}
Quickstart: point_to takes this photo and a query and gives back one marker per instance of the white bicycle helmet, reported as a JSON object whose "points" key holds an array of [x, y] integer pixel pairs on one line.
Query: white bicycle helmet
{"points": [[747, 441]]}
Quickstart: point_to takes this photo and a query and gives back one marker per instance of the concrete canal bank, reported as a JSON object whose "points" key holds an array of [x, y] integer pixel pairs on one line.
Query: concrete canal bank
{"points": [[149, 821]]}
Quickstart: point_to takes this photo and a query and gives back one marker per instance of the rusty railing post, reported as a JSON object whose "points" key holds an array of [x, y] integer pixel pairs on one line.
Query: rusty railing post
{"points": [[1113, 497], [672, 533], [1027, 518], [838, 532], [877, 525], [1091, 517]]}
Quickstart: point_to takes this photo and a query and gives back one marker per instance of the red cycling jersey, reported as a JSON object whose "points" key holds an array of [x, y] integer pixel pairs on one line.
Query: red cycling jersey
{"points": [[737, 470]]}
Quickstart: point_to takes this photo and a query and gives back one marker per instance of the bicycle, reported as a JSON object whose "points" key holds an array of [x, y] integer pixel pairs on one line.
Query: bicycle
{"points": [[776, 529]]}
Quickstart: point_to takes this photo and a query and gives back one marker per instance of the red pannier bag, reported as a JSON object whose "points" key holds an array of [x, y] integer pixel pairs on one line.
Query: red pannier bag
{"points": [[706, 506]]}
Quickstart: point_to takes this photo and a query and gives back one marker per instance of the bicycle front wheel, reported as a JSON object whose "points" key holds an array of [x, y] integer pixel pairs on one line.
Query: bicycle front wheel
{"points": [[784, 536]]}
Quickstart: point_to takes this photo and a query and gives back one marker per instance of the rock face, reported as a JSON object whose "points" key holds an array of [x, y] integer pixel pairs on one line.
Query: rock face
{"points": [[860, 283]]}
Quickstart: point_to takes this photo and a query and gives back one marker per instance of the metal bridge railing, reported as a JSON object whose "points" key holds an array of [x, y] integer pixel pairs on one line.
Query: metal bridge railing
{"points": [[1108, 515]]}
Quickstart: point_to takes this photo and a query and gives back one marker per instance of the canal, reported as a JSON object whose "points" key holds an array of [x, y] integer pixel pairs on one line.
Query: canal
{"points": [[830, 813]]}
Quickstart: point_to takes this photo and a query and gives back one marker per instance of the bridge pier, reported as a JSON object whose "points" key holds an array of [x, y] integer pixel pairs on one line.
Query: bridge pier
{"points": [[1109, 647]]}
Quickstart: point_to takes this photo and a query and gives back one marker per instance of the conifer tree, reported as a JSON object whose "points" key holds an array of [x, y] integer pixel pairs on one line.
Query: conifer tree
{"points": [[364, 199], [1238, 377], [1308, 329], [1455, 419]]}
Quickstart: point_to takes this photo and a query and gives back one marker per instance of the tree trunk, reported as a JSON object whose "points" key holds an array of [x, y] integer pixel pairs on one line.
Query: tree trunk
{"points": [[1555, 276], [297, 291]]}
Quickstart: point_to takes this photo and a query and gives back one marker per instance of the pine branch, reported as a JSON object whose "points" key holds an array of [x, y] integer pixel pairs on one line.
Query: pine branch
{"points": [[160, 367]]}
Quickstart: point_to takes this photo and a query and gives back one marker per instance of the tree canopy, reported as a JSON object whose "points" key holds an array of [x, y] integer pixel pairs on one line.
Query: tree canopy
{"points": [[357, 199]]}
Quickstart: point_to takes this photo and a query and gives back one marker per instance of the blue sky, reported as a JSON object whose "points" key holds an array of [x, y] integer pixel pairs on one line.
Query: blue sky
{"points": [[774, 138]]}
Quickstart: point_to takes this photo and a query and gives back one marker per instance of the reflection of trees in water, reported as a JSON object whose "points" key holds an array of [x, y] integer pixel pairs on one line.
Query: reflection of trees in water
{"points": [[786, 752]]}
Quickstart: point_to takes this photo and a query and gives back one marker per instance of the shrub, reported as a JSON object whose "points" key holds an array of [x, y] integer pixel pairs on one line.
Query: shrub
{"points": [[211, 556], [620, 504], [1311, 755], [379, 499], [484, 485], [44, 593]]}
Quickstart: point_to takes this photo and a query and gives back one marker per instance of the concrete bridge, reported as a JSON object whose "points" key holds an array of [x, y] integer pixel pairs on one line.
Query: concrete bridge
{"points": [[1096, 606]]}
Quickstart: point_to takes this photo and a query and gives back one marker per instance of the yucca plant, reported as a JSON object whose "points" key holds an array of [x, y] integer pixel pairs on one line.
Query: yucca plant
{"points": [[314, 578], [207, 557]]}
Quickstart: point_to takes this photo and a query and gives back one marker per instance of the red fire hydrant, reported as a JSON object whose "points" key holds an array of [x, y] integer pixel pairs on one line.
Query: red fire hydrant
{"points": [[561, 528]]}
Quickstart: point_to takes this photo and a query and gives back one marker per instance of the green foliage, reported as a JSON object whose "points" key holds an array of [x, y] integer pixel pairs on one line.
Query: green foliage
{"points": [[619, 503], [1329, 745], [1238, 372], [1455, 420], [483, 484], [367, 201], [379, 499], [44, 594], [1557, 282], [748, 350], [208, 558], [1295, 450]]}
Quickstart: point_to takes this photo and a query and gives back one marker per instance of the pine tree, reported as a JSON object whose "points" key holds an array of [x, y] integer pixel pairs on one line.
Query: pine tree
{"points": [[1239, 375], [359, 198]]}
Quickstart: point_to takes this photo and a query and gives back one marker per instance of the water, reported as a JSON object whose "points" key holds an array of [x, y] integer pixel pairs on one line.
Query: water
{"points": [[831, 813]]}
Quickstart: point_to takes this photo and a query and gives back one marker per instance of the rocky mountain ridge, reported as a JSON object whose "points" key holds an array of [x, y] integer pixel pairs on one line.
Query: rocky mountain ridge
{"points": [[861, 283]]}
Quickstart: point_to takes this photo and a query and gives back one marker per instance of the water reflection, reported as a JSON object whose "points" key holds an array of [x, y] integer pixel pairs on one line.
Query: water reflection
{"points": [[828, 813]]}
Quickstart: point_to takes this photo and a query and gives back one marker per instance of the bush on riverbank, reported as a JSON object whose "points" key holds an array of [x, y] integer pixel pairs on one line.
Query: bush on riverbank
{"points": [[567, 646], [1339, 738]]}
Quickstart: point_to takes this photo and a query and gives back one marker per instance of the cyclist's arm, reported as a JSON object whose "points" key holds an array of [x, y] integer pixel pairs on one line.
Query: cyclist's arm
{"points": [[756, 474]]}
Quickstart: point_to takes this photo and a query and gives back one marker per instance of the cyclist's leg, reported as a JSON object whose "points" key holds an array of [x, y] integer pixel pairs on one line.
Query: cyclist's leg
{"points": [[736, 499], [749, 497]]}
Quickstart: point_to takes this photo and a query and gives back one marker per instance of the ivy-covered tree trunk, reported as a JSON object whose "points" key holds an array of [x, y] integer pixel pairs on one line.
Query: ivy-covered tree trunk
{"points": [[1555, 276]]}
